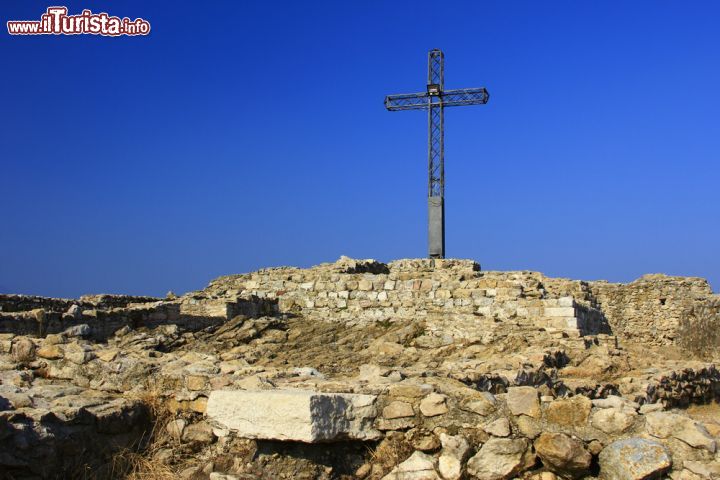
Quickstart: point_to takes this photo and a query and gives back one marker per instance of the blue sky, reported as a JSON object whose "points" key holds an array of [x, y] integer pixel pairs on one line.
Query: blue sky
{"points": [[241, 135]]}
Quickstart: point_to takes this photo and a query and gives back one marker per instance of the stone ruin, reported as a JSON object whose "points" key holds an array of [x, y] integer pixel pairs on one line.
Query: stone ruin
{"points": [[415, 369]]}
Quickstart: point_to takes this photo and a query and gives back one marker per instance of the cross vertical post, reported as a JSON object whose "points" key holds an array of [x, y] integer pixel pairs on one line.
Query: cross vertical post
{"points": [[436, 155], [434, 100]]}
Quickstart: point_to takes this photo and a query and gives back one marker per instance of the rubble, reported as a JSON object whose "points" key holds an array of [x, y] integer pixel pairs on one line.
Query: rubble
{"points": [[415, 369]]}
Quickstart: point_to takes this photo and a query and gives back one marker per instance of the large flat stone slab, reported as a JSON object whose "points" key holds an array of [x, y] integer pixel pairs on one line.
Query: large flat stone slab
{"points": [[297, 415]]}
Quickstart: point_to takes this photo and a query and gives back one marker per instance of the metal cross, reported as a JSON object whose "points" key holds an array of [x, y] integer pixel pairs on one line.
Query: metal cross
{"points": [[434, 100]]}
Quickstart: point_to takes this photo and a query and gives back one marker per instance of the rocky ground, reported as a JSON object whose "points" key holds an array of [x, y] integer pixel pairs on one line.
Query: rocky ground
{"points": [[287, 394]]}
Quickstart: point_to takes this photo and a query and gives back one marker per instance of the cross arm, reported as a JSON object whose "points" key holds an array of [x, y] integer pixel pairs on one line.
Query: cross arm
{"points": [[447, 98], [465, 96], [407, 101]]}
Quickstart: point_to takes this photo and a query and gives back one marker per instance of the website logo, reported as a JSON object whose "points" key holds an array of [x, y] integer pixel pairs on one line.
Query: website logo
{"points": [[56, 21]]}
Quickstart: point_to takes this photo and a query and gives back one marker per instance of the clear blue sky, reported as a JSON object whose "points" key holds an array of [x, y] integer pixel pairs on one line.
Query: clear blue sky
{"points": [[241, 135]]}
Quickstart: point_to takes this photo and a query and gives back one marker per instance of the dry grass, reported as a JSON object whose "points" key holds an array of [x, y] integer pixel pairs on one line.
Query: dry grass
{"points": [[390, 452], [140, 462], [140, 466]]}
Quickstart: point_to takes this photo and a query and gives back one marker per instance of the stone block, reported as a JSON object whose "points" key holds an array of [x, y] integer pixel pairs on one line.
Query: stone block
{"points": [[665, 425], [296, 415], [559, 311], [634, 459], [571, 412], [523, 401], [566, 302]]}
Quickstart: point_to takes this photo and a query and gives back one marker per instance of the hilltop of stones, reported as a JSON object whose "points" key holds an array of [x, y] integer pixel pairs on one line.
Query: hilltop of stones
{"points": [[415, 369]]}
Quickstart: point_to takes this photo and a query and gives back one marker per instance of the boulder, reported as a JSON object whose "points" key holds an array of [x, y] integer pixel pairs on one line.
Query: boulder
{"points": [[49, 352], [420, 466], [454, 453], [523, 401], [528, 426], [705, 470], [175, 428], [613, 420], [614, 401], [82, 330], [79, 354], [23, 349], [74, 312], [501, 459], [297, 415], [563, 455], [570, 412], [665, 425], [634, 459], [398, 409], [199, 432], [484, 403], [433, 405], [425, 442], [498, 428]]}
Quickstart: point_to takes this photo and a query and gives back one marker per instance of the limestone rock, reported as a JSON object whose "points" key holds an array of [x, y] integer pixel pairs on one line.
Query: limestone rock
{"points": [[613, 401], [501, 459], [176, 428], [82, 330], [398, 409], [686, 474], [403, 423], [364, 470], [528, 426], [54, 339], [50, 352], [307, 372], [651, 407], [426, 443], [454, 453], [74, 312], [195, 382], [372, 373], [498, 428], [420, 466], [705, 470], [634, 459], [665, 424], [254, 382], [199, 432], [612, 420], [298, 415], [78, 354], [483, 404], [107, 355], [570, 412], [562, 454], [23, 349], [409, 389], [523, 401], [433, 405]]}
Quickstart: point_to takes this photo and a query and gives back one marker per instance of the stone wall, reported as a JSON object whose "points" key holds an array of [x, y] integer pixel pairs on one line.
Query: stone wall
{"points": [[650, 309], [19, 303], [454, 298]]}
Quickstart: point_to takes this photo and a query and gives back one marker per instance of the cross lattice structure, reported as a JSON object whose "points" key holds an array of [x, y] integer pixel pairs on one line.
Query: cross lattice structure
{"points": [[434, 100]]}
